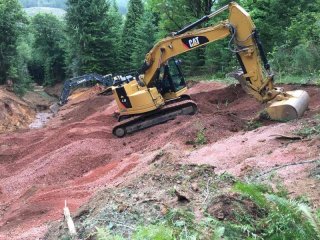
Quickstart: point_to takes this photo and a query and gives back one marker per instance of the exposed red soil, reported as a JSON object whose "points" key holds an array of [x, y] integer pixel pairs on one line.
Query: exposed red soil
{"points": [[15, 113], [76, 154]]}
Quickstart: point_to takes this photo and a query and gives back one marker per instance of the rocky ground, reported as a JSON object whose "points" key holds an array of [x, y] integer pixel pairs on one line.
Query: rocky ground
{"points": [[107, 180]]}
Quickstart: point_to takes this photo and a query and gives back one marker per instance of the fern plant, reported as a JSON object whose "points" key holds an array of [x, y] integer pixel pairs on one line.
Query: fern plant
{"points": [[284, 218]]}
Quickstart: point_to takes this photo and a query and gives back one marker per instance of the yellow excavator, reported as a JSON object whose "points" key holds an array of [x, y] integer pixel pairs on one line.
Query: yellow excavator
{"points": [[158, 93]]}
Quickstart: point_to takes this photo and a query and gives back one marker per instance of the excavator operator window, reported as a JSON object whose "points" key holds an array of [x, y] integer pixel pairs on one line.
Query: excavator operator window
{"points": [[166, 84], [171, 77], [176, 74]]}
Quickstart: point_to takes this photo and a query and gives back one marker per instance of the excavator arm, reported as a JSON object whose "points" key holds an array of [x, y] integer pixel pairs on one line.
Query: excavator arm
{"points": [[75, 82], [243, 36]]}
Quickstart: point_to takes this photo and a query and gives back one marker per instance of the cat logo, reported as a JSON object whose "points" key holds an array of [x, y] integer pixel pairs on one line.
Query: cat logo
{"points": [[195, 41]]}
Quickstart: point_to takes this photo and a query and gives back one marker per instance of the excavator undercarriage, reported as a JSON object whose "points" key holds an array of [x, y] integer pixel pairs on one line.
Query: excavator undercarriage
{"points": [[168, 112]]}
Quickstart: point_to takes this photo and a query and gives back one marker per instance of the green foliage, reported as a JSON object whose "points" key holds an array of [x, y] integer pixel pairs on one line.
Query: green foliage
{"points": [[289, 219], [98, 40], [153, 232], [12, 23], [145, 39], [291, 34], [201, 137], [298, 53], [47, 66], [283, 218], [302, 59], [219, 60], [103, 234], [90, 46], [253, 124], [61, 4], [116, 24], [272, 18], [173, 15], [19, 68], [254, 191], [307, 130], [129, 33]]}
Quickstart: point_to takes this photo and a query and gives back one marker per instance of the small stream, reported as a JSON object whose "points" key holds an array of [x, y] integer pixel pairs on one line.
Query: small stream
{"points": [[41, 119]]}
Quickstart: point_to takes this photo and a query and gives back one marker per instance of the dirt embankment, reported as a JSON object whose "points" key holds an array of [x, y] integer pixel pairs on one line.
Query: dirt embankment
{"points": [[14, 112], [18, 113], [76, 155]]}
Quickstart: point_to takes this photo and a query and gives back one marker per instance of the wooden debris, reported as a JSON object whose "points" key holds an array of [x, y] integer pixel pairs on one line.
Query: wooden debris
{"points": [[69, 220], [286, 137]]}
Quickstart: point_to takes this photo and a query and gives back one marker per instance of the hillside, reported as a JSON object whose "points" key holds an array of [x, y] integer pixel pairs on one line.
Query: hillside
{"points": [[46, 5], [43, 3], [58, 12]]}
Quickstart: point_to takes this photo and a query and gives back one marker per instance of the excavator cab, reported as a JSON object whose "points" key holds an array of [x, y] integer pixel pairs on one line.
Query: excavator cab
{"points": [[171, 79]]}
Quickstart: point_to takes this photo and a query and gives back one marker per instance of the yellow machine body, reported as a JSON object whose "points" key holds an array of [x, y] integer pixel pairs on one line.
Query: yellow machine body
{"points": [[142, 99], [152, 89]]}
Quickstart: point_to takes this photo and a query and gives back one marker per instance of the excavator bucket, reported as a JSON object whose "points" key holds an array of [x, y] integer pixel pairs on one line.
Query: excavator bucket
{"points": [[292, 106]]}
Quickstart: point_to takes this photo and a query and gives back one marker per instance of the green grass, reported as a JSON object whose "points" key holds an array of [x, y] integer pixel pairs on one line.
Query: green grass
{"points": [[291, 79], [279, 79], [285, 79], [209, 78]]}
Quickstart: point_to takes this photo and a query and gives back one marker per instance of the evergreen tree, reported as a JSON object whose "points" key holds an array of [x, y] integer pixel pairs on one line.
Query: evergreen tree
{"points": [[145, 39], [47, 66], [12, 26], [135, 13], [299, 54], [19, 71], [91, 48], [288, 30], [174, 15], [116, 22]]}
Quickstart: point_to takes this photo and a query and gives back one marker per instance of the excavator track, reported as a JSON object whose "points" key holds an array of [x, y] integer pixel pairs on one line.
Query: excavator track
{"points": [[166, 113], [183, 97]]}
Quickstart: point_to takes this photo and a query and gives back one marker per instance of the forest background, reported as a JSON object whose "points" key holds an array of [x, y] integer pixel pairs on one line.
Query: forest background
{"points": [[108, 36]]}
